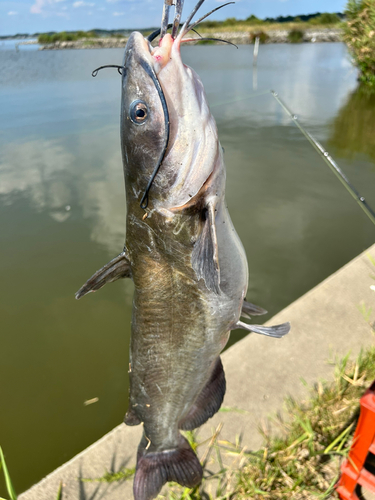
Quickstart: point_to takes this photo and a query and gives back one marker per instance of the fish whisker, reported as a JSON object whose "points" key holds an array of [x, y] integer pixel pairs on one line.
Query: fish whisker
{"points": [[157, 32], [208, 39], [207, 15], [187, 22]]}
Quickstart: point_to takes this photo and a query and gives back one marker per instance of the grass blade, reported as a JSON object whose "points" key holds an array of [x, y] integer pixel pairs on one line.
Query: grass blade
{"points": [[8, 481], [59, 493], [339, 439]]}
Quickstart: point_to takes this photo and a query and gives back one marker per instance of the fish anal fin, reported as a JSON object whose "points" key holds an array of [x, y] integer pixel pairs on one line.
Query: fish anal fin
{"points": [[208, 402], [249, 309], [277, 331], [117, 268], [205, 255], [154, 469], [131, 418]]}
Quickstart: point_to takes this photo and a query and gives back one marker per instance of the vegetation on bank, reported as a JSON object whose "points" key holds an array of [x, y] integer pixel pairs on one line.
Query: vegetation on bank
{"points": [[295, 36], [359, 35], [312, 20], [251, 24], [64, 36]]}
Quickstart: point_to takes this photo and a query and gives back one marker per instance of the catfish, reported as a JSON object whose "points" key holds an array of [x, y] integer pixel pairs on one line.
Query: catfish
{"points": [[182, 252]]}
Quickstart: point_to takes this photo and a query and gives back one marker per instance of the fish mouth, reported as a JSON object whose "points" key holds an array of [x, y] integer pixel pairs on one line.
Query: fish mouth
{"points": [[166, 41]]}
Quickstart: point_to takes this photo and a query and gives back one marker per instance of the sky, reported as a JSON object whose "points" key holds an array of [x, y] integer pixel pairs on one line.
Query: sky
{"points": [[31, 16]]}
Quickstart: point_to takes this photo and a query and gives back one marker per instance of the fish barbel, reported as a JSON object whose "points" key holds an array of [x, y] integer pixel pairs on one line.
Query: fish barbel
{"points": [[186, 260]]}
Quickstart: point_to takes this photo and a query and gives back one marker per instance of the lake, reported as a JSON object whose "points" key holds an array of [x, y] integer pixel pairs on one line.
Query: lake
{"points": [[62, 216]]}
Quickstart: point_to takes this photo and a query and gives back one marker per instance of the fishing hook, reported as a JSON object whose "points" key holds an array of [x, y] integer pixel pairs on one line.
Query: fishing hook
{"points": [[119, 69]]}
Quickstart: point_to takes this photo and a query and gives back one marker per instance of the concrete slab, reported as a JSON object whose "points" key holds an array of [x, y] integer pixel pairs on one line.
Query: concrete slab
{"points": [[260, 372]]}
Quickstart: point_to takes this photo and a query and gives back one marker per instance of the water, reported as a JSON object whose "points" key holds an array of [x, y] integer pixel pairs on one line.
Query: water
{"points": [[18, 44], [62, 217]]}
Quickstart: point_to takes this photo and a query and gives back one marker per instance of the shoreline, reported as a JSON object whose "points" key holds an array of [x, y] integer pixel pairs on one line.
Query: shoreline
{"points": [[310, 35]]}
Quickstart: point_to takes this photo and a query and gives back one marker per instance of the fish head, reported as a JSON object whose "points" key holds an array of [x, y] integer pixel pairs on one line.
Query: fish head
{"points": [[179, 130], [143, 125]]}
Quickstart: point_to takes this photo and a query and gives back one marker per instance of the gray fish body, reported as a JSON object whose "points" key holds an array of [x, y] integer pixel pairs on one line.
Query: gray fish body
{"points": [[186, 260], [179, 325]]}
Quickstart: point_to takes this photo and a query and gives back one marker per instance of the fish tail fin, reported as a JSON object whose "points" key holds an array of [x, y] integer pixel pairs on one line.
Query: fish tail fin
{"points": [[156, 468]]}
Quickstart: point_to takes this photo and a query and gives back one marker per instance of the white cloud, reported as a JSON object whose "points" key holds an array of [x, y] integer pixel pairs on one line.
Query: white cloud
{"points": [[12, 13], [119, 14], [37, 7], [113, 1], [40, 5], [81, 3]]}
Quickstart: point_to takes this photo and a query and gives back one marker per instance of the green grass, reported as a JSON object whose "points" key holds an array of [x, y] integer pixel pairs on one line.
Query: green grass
{"points": [[111, 477], [8, 481]]}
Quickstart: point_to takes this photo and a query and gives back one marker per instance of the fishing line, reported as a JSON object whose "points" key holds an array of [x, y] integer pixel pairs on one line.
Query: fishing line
{"points": [[317, 146], [239, 99]]}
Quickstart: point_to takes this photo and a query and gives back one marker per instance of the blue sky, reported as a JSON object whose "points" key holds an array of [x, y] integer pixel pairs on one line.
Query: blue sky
{"points": [[30, 16]]}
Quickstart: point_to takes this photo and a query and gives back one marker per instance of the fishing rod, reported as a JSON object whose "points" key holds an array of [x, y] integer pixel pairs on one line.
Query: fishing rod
{"points": [[318, 147], [329, 161]]}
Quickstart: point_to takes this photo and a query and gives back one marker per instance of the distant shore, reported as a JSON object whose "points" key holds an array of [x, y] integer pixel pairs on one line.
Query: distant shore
{"points": [[238, 37]]}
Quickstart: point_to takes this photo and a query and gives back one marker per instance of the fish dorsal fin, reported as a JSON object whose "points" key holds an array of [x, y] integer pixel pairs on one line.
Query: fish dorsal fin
{"points": [[117, 268], [205, 255]]}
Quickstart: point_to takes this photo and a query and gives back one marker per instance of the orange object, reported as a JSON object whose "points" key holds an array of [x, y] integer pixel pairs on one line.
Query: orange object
{"points": [[353, 472]]}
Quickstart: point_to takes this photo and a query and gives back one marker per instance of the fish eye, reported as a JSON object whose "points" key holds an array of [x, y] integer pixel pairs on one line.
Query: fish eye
{"points": [[138, 112]]}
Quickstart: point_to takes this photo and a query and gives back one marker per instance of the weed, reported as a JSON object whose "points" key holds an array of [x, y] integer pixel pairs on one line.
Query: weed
{"points": [[110, 477], [295, 36], [8, 481], [263, 37]]}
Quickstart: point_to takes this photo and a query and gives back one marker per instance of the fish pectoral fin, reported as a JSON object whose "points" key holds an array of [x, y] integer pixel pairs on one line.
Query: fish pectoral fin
{"points": [[277, 331], [117, 268], [208, 401], [205, 255], [249, 309]]}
